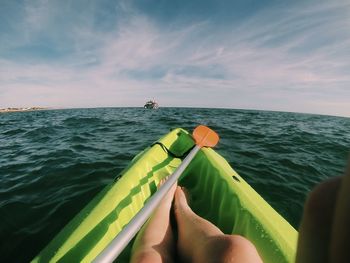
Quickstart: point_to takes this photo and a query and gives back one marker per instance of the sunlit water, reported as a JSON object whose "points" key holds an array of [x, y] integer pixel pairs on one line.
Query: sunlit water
{"points": [[53, 162]]}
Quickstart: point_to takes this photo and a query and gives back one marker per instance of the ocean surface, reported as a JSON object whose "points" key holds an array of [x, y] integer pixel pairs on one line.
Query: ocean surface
{"points": [[53, 162]]}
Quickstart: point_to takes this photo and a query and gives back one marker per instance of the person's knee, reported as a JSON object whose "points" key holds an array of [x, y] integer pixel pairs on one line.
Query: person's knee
{"points": [[321, 200], [150, 256], [143, 257], [230, 248], [239, 245]]}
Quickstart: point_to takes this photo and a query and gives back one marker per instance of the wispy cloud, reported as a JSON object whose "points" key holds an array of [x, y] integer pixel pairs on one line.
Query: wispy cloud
{"points": [[293, 58]]}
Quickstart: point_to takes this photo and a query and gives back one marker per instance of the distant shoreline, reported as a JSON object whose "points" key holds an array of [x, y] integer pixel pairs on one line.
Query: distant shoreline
{"points": [[21, 109]]}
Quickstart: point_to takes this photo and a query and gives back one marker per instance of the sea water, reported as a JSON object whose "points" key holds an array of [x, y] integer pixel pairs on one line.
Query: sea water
{"points": [[53, 162]]}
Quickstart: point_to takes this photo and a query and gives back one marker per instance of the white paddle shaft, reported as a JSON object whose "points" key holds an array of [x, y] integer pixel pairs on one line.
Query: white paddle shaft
{"points": [[117, 245]]}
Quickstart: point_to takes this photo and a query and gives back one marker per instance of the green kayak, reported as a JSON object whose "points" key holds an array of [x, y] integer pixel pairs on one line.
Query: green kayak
{"points": [[218, 194]]}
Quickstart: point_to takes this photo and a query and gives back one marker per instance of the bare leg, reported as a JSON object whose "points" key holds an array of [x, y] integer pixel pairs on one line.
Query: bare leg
{"points": [[316, 226], [324, 234], [155, 242], [201, 241]]}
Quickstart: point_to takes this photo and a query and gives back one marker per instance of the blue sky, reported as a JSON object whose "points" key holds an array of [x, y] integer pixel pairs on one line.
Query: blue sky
{"points": [[251, 54]]}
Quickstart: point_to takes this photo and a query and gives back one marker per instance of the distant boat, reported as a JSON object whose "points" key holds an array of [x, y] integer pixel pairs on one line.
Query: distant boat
{"points": [[151, 104]]}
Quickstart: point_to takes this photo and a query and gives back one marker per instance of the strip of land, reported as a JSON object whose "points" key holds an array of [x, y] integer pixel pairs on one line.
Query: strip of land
{"points": [[21, 109]]}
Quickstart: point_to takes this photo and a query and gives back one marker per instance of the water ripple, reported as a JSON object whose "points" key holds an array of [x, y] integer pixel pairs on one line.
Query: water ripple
{"points": [[53, 162]]}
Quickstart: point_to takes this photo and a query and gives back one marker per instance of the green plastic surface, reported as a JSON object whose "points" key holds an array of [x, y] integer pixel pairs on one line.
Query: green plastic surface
{"points": [[218, 194]]}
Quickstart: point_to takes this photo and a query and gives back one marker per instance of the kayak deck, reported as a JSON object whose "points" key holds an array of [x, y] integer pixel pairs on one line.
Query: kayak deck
{"points": [[218, 194]]}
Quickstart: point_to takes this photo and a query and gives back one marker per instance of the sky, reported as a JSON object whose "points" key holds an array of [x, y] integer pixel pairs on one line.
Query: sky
{"points": [[246, 54]]}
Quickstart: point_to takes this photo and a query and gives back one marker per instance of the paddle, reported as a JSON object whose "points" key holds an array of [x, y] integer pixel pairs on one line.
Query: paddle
{"points": [[203, 137]]}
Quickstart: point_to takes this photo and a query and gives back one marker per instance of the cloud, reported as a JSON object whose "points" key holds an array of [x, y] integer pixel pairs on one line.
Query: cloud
{"points": [[271, 60]]}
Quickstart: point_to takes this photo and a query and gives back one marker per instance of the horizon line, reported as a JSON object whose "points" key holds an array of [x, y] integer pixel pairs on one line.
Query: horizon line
{"points": [[185, 107]]}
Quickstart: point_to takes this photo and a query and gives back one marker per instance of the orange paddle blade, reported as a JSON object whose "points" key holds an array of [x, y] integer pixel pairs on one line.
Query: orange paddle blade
{"points": [[205, 137]]}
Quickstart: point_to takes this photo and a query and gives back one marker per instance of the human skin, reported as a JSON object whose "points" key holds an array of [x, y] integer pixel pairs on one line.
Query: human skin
{"points": [[324, 234], [198, 239]]}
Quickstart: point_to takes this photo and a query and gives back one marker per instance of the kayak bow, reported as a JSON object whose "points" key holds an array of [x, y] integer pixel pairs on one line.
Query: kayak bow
{"points": [[204, 137]]}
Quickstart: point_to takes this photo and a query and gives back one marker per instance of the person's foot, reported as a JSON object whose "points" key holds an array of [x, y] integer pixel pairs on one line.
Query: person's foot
{"points": [[155, 241], [190, 227], [181, 200], [201, 241], [168, 198]]}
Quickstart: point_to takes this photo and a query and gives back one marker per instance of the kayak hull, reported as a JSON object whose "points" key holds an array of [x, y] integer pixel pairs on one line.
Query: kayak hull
{"points": [[218, 194]]}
